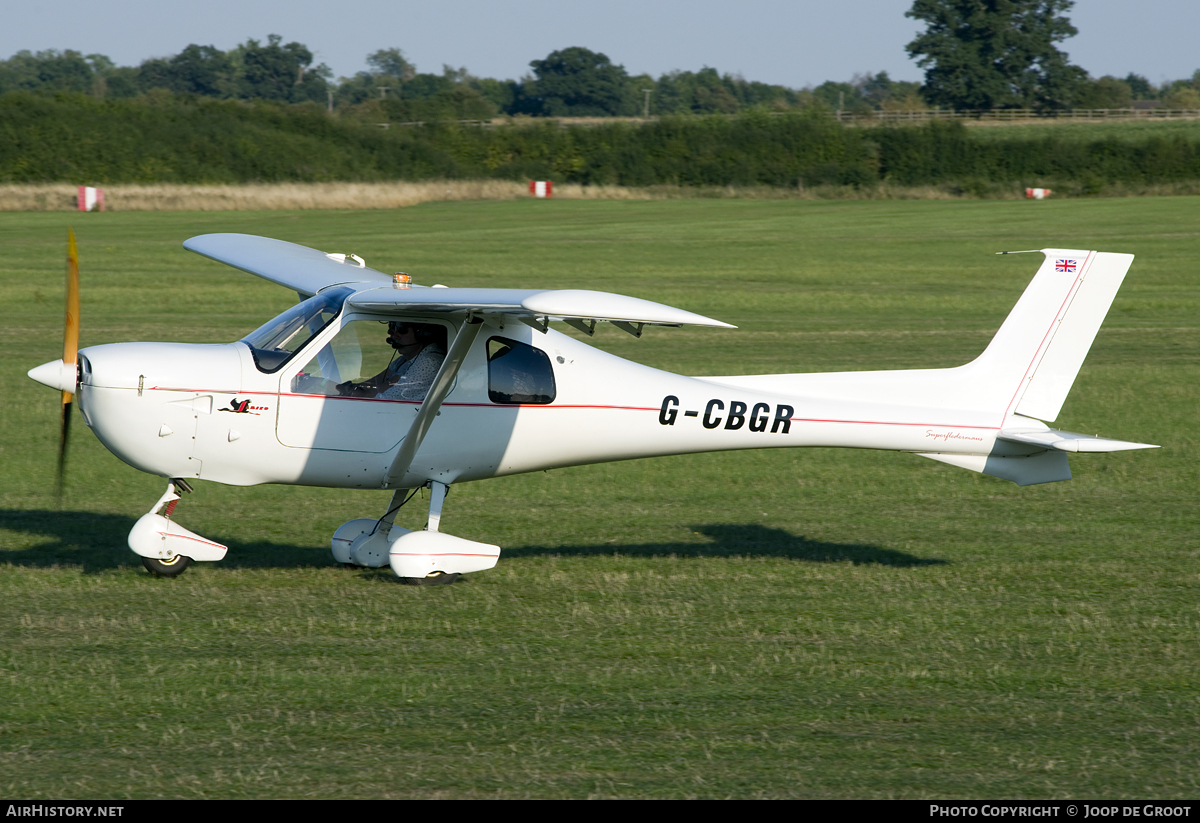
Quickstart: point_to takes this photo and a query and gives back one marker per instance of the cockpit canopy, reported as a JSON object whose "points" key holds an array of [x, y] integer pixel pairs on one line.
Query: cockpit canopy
{"points": [[274, 343]]}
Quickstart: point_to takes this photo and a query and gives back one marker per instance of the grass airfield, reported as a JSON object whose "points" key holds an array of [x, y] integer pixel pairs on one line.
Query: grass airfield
{"points": [[774, 624]]}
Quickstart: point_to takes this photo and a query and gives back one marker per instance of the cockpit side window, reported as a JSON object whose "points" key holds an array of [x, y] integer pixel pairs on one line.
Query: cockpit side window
{"points": [[518, 373], [384, 359], [274, 343]]}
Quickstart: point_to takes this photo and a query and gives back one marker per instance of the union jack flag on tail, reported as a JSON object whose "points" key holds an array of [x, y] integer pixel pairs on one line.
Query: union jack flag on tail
{"points": [[1067, 266]]}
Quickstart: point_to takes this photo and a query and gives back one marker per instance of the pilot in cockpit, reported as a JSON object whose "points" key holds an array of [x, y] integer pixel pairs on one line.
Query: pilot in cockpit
{"points": [[420, 350]]}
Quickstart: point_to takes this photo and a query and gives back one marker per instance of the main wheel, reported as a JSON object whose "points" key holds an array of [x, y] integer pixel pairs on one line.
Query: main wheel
{"points": [[174, 567], [437, 579], [431, 579]]}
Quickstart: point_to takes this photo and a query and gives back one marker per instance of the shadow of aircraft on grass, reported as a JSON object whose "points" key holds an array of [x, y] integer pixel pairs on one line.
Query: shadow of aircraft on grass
{"points": [[96, 542], [748, 540]]}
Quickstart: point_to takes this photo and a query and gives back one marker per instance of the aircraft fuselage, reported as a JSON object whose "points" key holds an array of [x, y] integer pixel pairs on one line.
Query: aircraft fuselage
{"points": [[209, 412]]}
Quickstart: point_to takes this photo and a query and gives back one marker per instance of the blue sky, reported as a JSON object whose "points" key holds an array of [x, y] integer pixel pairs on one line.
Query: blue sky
{"points": [[797, 43]]}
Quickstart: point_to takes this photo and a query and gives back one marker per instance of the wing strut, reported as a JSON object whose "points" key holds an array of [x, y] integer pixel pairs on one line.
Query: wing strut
{"points": [[433, 400]]}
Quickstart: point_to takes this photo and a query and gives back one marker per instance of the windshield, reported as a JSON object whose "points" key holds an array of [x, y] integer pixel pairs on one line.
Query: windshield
{"points": [[274, 343]]}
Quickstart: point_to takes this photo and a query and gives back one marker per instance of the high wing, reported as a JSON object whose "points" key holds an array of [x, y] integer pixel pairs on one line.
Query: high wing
{"points": [[530, 305], [308, 271], [305, 270], [580, 308]]}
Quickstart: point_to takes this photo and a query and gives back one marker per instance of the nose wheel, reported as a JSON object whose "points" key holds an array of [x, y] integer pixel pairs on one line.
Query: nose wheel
{"points": [[174, 567]]}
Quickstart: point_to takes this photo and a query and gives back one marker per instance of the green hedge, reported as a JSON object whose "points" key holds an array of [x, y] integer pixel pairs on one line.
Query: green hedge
{"points": [[68, 138], [941, 152], [194, 140]]}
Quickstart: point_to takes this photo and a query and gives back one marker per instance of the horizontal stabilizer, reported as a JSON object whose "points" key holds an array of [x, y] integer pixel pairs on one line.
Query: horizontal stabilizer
{"points": [[555, 304], [1069, 441], [300, 268], [1046, 465]]}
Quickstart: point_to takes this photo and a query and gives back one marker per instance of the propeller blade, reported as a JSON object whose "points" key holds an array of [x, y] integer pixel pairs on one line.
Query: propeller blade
{"points": [[70, 350]]}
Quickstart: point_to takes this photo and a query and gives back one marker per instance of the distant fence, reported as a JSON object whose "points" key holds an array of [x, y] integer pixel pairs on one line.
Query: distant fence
{"points": [[864, 117], [1010, 115], [526, 121]]}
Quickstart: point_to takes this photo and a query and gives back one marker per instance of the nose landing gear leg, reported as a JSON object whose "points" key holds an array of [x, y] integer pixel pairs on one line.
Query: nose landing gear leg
{"points": [[166, 548]]}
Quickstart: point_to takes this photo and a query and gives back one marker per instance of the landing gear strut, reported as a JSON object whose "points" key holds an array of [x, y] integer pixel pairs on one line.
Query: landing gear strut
{"points": [[426, 557]]}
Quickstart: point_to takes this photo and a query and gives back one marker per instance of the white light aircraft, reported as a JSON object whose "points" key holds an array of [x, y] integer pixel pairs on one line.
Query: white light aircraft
{"points": [[371, 382]]}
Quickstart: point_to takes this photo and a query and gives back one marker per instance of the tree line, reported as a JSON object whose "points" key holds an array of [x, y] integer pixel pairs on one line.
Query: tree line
{"points": [[571, 82], [976, 55]]}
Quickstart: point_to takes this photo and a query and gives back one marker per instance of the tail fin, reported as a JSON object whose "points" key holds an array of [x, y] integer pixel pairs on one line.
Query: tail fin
{"points": [[1037, 354], [1027, 369], [1021, 379], [1043, 342]]}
